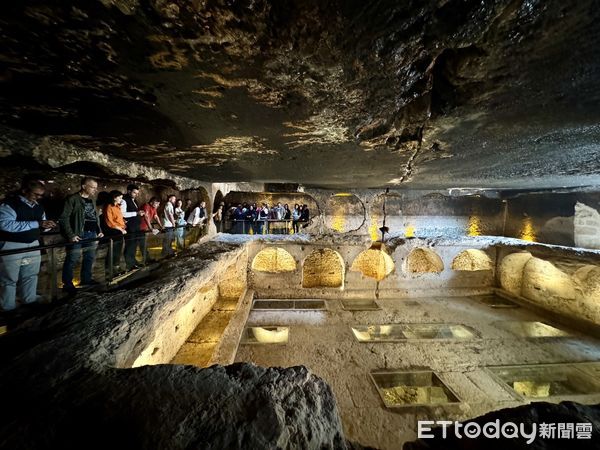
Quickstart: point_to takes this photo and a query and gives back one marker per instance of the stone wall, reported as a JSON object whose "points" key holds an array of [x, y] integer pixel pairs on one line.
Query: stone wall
{"points": [[408, 213], [566, 282], [364, 269], [587, 226], [431, 214], [190, 287], [550, 218]]}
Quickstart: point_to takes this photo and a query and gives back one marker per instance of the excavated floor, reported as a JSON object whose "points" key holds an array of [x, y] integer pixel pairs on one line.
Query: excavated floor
{"points": [[324, 342], [200, 345]]}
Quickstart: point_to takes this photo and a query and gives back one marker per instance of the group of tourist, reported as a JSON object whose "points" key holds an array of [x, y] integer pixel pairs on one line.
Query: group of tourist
{"points": [[122, 219], [123, 222], [278, 219]]}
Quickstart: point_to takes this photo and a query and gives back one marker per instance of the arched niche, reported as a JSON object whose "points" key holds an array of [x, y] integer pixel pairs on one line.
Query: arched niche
{"points": [[273, 260], [217, 201], [196, 195], [344, 212], [471, 260], [323, 268], [373, 263], [423, 260]]}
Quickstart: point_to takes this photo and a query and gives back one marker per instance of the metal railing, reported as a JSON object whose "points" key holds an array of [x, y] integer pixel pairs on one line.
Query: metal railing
{"points": [[104, 259], [264, 226]]}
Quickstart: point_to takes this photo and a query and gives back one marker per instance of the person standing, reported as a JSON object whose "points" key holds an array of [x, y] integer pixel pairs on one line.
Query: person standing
{"points": [[133, 218], [278, 214], [296, 217], [218, 218], [21, 220], [180, 224], [188, 208], [197, 219], [169, 224], [150, 215], [288, 218], [115, 229], [239, 216], [263, 217], [80, 225], [250, 220], [305, 216]]}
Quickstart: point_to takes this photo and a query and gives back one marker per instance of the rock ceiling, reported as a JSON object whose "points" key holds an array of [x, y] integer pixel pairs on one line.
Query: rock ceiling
{"points": [[339, 93]]}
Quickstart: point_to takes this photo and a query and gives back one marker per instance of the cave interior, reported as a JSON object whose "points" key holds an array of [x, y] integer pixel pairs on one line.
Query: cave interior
{"points": [[448, 152]]}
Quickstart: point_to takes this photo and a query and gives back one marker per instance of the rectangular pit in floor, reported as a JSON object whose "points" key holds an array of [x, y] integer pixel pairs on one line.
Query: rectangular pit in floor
{"points": [[410, 303], [416, 331], [412, 388], [265, 335], [289, 305], [360, 305], [546, 381], [495, 301], [530, 329]]}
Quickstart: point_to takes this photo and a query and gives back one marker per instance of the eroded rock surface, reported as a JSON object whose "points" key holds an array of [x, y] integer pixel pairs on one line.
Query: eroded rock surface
{"points": [[65, 381], [330, 93], [511, 271], [179, 407]]}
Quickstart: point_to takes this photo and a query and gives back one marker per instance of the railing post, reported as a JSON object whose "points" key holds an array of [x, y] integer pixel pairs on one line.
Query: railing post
{"points": [[110, 260], [145, 253], [53, 275]]}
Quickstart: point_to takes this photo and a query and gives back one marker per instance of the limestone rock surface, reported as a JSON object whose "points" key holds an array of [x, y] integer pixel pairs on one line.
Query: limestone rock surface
{"points": [[183, 407], [546, 283], [586, 226], [65, 380], [511, 271], [361, 93]]}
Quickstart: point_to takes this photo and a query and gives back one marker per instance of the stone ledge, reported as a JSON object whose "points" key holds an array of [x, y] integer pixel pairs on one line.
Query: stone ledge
{"points": [[226, 349]]}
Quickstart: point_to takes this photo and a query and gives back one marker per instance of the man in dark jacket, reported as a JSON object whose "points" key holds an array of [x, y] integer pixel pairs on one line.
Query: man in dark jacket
{"points": [[133, 220], [21, 220], [79, 223]]}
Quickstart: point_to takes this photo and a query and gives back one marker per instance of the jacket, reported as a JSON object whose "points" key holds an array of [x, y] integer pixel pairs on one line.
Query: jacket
{"points": [[72, 218], [20, 220], [114, 217]]}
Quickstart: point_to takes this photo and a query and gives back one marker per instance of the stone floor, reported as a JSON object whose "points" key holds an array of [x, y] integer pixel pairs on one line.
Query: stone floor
{"points": [[199, 346], [324, 342]]}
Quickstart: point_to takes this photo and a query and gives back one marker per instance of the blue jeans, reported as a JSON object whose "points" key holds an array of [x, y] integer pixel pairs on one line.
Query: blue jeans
{"points": [[74, 252], [168, 237], [20, 272]]}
